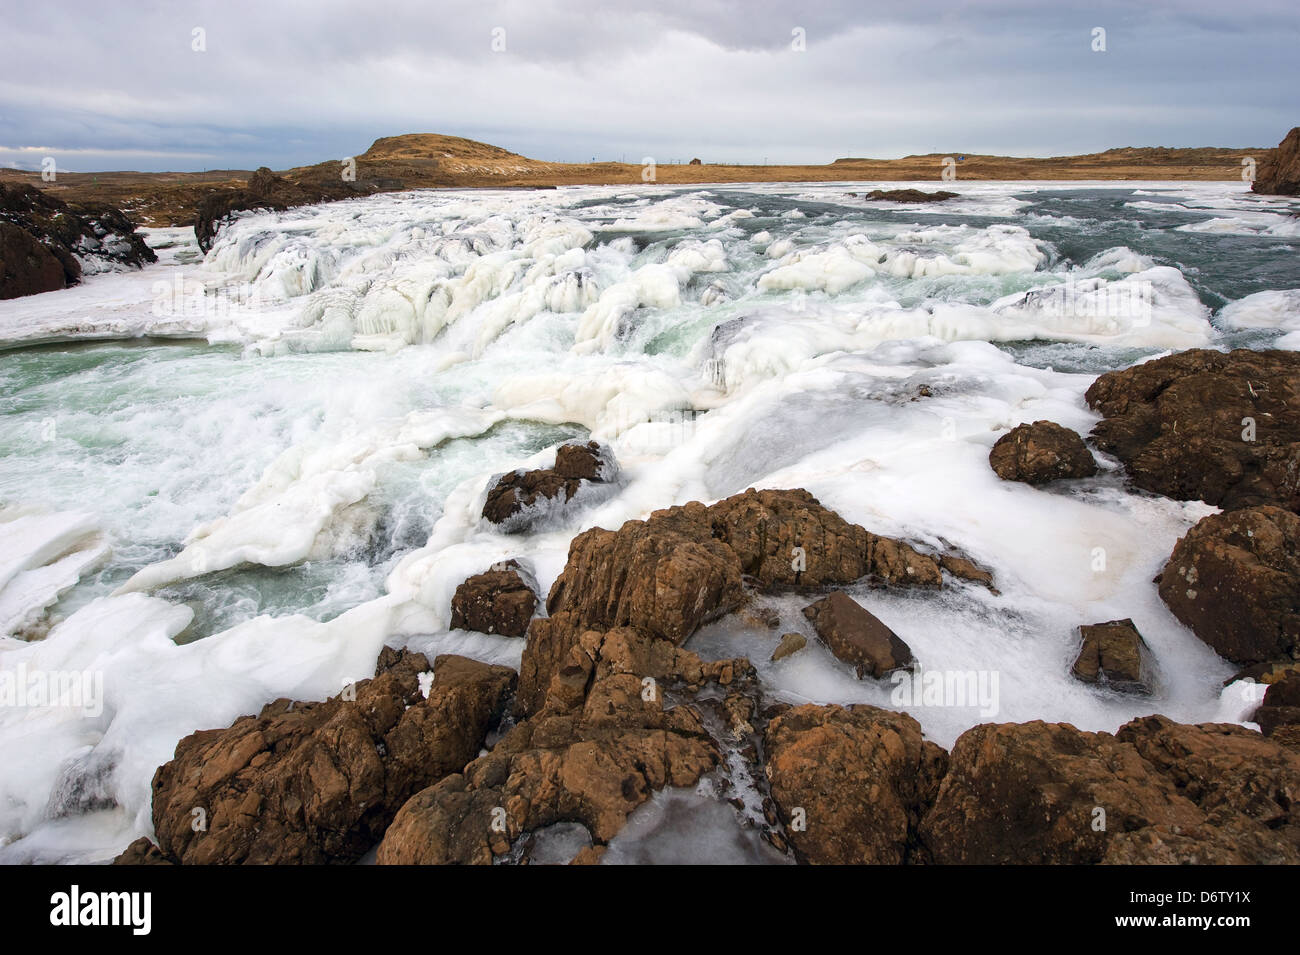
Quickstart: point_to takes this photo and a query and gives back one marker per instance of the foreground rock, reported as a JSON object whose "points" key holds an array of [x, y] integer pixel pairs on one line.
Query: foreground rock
{"points": [[684, 566], [1279, 173], [602, 743], [1234, 579], [856, 636], [1281, 707], [520, 499], [851, 783], [1041, 452], [46, 244], [1204, 425], [498, 601], [1157, 792], [1115, 656], [319, 782]]}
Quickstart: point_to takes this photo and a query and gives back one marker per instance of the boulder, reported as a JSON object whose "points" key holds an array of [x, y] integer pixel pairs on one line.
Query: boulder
{"points": [[1157, 792], [498, 601], [910, 195], [851, 783], [788, 539], [1041, 452], [856, 636], [1115, 656], [791, 643], [1279, 173], [1281, 706], [518, 500], [319, 782], [1234, 579], [602, 743], [1205, 425], [46, 244]]}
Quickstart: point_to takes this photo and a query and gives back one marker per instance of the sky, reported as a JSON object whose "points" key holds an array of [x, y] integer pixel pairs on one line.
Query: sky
{"points": [[187, 85]]}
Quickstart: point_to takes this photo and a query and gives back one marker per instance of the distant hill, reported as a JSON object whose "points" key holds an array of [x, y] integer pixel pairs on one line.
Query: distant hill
{"points": [[432, 160]]}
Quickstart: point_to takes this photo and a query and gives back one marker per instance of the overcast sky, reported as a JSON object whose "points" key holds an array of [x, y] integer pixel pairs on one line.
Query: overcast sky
{"points": [[120, 86]]}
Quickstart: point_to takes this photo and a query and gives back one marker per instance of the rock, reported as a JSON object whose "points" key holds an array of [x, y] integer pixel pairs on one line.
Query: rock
{"points": [[910, 195], [683, 566], [859, 778], [46, 244], [1234, 579], [856, 636], [1205, 425], [666, 574], [1279, 173], [28, 267], [319, 782], [1281, 706], [498, 601], [1034, 793], [601, 744], [142, 852], [790, 643], [787, 538], [520, 499], [1041, 452], [964, 569], [760, 617], [1114, 655]]}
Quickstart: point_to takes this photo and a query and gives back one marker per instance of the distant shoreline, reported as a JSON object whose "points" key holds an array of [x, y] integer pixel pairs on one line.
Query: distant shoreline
{"points": [[433, 161]]}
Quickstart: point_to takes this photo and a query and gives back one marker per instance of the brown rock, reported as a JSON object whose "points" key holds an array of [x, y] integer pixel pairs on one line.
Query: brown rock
{"points": [[1234, 579], [1281, 706], [142, 852], [1035, 793], [1114, 655], [319, 782], [1279, 173], [789, 538], [498, 601], [964, 569], [1041, 452], [910, 195], [1182, 426], [851, 783], [27, 266], [856, 636], [518, 499], [790, 643]]}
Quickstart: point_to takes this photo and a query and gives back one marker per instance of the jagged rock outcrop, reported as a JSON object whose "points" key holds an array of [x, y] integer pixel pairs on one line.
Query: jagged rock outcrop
{"points": [[46, 244], [1114, 656], [1041, 452], [856, 636], [520, 499], [1234, 579], [1157, 792], [1205, 425], [1281, 706], [603, 742], [319, 782], [1279, 173], [497, 601], [851, 783]]}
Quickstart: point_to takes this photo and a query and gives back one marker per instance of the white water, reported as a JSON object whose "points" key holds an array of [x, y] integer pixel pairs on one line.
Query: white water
{"points": [[255, 516]]}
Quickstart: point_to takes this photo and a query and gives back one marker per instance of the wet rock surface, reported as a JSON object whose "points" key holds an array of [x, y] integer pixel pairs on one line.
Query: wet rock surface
{"points": [[497, 601], [856, 636], [521, 498], [1041, 452], [1234, 579], [1114, 656], [319, 782], [1205, 425]]}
